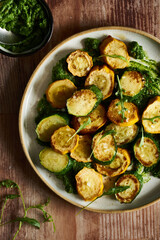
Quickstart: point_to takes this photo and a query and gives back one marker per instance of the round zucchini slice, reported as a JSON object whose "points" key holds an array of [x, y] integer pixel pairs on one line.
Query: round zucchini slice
{"points": [[130, 111], [98, 119], [151, 116], [135, 183], [55, 162], [132, 83], [89, 184], [114, 47], [146, 153], [123, 135], [103, 78], [59, 91], [79, 63], [104, 148], [83, 150], [118, 166], [48, 125], [62, 140], [83, 102]]}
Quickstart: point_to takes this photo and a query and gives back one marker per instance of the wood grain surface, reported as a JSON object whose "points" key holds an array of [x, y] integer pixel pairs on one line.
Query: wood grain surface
{"points": [[70, 17]]}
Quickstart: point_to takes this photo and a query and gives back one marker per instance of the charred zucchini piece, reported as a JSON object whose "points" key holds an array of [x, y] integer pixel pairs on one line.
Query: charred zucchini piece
{"points": [[103, 78], [114, 47], [134, 181], [147, 151], [89, 184], [104, 148], [132, 83], [48, 125], [118, 166], [98, 119], [62, 140], [115, 113], [123, 135], [83, 150], [84, 101], [59, 91], [151, 116], [54, 161], [79, 63]]}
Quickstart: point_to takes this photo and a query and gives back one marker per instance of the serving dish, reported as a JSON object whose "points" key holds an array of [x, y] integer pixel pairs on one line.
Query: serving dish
{"points": [[35, 89]]}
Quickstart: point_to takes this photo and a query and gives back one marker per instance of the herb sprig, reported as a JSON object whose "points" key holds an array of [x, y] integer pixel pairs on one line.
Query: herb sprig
{"points": [[121, 102], [152, 119], [47, 217]]}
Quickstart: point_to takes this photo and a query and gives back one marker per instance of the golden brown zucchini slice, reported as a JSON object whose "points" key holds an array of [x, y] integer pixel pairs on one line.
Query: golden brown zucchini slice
{"points": [[48, 125], [130, 113], [132, 83], [118, 166], [135, 183], [146, 153], [83, 151], [103, 78], [54, 161], [151, 116], [62, 140], [89, 184], [98, 119], [123, 135], [79, 63], [84, 101], [112, 47], [59, 91], [104, 148]]}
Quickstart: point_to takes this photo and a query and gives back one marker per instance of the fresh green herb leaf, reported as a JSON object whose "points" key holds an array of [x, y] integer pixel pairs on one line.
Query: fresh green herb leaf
{"points": [[142, 138], [81, 128], [152, 119], [30, 221], [115, 190], [8, 184], [11, 196], [115, 56], [121, 102]]}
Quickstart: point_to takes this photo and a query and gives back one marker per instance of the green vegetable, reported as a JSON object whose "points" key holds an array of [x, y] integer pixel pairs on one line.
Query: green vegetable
{"points": [[136, 51], [115, 56], [25, 18], [47, 217], [91, 45]]}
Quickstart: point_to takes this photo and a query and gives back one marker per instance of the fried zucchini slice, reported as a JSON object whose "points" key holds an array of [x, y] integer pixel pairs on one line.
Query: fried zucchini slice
{"points": [[130, 113], [104, 148], [79, 63], [146, 153], [112, 47], [98, 119], [62, 140], [152, 124], [54, 161], [59, 91], [48, 125], [103, 78], [83, 150], [89, 184], [118, 166], [84, 101], [132, 83], [134, 181], [123, 135]]}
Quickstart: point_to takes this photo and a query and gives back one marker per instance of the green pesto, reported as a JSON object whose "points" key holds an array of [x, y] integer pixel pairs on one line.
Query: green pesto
{"points": [[25, 18], [136, 51]]}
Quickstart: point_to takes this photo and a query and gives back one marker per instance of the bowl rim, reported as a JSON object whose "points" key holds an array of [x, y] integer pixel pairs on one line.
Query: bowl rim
{"points": [[45, 40], [23, 98]]}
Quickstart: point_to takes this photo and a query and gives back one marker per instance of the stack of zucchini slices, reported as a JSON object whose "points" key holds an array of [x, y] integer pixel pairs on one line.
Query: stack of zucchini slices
{"points": [[101, 125]]}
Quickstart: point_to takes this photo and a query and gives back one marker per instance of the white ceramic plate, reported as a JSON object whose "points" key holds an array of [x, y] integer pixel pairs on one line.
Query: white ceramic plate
{"points": [[34, 91]]}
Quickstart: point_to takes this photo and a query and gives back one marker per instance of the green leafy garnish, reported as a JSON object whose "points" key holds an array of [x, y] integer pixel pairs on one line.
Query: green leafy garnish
{"points": [[151, 119], [142, 138], [115, 56], [121, 102], [81, 128], [47, 217], [111, 191]]}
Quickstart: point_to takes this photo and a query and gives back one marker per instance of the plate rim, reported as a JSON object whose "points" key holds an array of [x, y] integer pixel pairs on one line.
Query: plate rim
{"points": [[141, 32]]}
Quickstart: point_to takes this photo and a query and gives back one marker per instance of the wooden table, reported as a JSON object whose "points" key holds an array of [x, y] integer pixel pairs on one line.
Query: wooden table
{"points": [[70, 17]]}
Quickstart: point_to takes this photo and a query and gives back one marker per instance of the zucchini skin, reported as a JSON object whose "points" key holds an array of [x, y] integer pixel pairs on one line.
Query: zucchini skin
{"points": [[67, 168]]}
